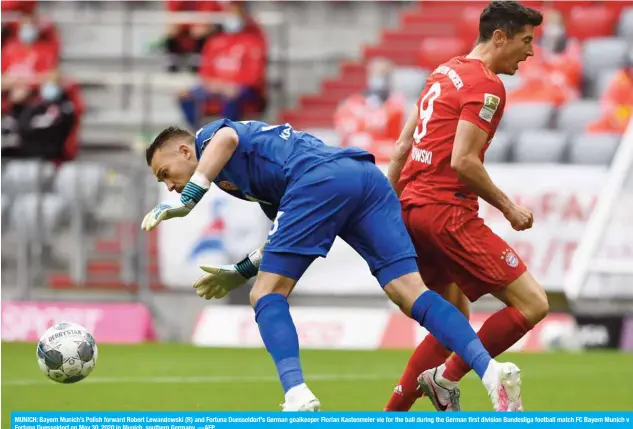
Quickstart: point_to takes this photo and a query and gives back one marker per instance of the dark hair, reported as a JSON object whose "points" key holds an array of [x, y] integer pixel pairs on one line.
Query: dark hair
{"points": [[162, 138], [509, 16]]}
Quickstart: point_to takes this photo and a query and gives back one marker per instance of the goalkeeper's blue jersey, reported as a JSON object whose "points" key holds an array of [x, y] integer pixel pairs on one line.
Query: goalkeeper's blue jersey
{"points": [[268, 158]]}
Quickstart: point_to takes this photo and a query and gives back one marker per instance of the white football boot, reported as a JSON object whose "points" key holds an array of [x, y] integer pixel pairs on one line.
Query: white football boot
{"points": [[301, 398], [503, 382], [443, 393]]}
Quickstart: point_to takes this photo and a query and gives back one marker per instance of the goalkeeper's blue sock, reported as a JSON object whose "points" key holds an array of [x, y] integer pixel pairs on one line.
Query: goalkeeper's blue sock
{"points": [[449, 326], [278, 331]]}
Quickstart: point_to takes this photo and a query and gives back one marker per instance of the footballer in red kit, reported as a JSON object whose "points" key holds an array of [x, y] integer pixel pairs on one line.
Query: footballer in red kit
{"points": [[437, 170], [437, 206]]}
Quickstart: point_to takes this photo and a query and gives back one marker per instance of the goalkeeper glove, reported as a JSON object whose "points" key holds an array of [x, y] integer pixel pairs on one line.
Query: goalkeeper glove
{"points": [[190, 196], [220, 280]]}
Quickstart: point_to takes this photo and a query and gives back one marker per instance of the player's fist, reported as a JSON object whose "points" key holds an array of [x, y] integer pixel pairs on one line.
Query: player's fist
{"points": [[521, 218], [218, 281], [164, 211]]}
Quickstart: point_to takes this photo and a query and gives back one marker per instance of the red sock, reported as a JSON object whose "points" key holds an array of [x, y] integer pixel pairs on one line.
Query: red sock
{"points": [[497, 334], [427, 355]]}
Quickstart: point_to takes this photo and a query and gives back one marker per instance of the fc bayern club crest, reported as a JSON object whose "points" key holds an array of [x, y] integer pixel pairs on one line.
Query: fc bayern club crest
{"points": [[227, 186], [511, 259]]}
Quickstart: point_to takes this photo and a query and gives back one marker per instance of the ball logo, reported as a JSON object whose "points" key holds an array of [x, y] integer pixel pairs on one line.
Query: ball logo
{"points": [[511, 259], [61, 326], [227, 186]]}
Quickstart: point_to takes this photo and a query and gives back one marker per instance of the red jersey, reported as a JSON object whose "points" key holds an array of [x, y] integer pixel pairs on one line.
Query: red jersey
{"points": [[18, 6], [238, 58], [25, 61], [459, 89]]}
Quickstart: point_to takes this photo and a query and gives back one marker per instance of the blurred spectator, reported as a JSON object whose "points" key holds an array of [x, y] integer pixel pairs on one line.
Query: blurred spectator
{"points": [[12, 9], [18, 6], [40, 123], [554, 73], [17, 13], [232, 70], [616, 102], [184, 42], [28, 58], [373, 120]]}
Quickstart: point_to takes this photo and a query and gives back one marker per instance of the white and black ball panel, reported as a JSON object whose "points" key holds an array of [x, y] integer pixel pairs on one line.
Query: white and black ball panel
{"points": [[67, 353]]}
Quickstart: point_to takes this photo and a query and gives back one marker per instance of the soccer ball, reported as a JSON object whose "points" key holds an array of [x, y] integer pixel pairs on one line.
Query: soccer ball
{"points": [[67, 353]]}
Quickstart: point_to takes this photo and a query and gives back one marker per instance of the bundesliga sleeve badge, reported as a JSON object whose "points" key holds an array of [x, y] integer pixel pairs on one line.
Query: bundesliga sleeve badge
{"points": [[491, 104]]}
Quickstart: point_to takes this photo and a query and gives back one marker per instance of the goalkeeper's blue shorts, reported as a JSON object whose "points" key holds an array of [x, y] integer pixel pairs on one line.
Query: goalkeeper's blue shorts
{"points": [[348, 198]]}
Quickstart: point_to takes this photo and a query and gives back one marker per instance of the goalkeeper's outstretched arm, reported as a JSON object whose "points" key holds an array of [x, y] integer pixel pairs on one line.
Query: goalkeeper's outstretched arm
{"points": [[220, 280]]}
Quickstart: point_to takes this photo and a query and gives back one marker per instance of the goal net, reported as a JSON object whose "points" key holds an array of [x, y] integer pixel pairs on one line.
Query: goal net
{"points": [[602, 266]]}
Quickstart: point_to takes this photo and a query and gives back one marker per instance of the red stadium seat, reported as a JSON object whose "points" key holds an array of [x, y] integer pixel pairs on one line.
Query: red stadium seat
{"points": [[436, 50], [617, 6], [469, 24], [566, 6], [417, 21], [399, 57], [435, 6], [584, 22]]}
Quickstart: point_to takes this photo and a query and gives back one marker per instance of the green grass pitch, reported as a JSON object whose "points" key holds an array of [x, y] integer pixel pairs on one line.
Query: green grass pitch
{"points": [[170, 377]]}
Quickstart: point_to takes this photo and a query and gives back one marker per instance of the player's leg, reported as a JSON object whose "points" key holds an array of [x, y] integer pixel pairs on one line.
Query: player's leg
{"points": [[526, 306], [390, 255], [428, 354], [276, 279], [312, 211], [481, 262], [434, 269]]}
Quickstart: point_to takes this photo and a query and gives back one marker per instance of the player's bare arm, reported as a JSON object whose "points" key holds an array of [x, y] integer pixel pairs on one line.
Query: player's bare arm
{"points": [[470, 140], [402, 150], [217, 154]]}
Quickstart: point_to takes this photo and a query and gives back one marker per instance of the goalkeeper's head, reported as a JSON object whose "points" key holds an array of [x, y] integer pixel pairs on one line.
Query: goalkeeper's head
{"points": [[172, 157]]}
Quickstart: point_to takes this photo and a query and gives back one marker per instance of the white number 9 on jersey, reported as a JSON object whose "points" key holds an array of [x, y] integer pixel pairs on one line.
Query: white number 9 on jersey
{"points": [[426, 112]]}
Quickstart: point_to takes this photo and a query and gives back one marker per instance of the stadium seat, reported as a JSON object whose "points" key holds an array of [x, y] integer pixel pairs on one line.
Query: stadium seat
{"points": [[436, 50], [564, 7], [6, 204], [27, 176], [468, 28], [625, 24], [603, 54], [540, 146], [575, 115], [510, 81], [601, 82], [500, 148], [584, 22], [36, 217], [88, 177], [594, 149], [409, 81], [527, 116]]}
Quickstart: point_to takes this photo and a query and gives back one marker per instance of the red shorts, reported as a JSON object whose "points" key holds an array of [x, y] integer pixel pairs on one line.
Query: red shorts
{"points": [[455, 246]]}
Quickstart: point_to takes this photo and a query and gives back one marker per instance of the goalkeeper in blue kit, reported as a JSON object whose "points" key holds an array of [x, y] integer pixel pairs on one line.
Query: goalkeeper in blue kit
{"points": [[312, 193]]}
